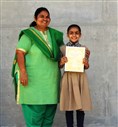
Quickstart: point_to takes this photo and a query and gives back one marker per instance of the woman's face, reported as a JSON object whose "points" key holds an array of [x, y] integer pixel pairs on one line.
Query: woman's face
{"points": [[74, 34], [43, 19]]}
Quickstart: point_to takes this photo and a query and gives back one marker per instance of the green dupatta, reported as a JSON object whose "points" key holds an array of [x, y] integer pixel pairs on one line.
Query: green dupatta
{"points": [[57, 41], [42, 44]]}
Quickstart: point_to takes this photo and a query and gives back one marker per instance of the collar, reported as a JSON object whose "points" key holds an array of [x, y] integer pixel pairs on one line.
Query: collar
{"points": [[77, 44]]}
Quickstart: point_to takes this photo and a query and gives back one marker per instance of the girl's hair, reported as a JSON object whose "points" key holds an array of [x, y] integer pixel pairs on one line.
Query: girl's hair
{"points": [[38, 11], [74, 25]]}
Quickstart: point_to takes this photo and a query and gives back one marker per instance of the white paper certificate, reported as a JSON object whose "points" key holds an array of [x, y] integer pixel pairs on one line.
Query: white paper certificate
{"points": [[75, 57]]}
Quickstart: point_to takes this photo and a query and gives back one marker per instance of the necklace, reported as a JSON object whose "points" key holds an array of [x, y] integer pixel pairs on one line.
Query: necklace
{"points": [[40, 29], [45, 36], [44, 33]]}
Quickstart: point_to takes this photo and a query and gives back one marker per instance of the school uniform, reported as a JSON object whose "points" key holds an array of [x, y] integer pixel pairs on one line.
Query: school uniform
{"points": [[75, 93]]}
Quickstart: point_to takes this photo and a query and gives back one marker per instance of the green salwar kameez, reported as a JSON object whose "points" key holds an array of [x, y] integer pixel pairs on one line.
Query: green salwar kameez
{"points": [[42, 91]]}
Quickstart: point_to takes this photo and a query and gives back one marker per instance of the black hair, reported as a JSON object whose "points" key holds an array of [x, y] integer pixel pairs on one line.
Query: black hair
{"points": [[73, 25], [39, 10]]}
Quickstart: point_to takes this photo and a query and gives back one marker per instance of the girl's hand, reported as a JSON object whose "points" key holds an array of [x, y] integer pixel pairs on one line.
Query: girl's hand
{"points": [[86, 63], [87, 53], [23, 78], [63, 61]]}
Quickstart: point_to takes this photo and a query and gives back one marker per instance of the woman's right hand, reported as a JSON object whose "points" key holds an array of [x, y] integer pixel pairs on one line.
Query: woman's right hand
{"points": [[23, 78], [21, 64]]}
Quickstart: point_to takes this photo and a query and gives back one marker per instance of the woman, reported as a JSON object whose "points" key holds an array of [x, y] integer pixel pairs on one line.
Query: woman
{"points": [[36, 70]]}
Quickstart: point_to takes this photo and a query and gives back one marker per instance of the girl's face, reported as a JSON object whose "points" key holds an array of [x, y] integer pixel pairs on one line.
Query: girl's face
{"points": [[74, 34], [43, 19]]}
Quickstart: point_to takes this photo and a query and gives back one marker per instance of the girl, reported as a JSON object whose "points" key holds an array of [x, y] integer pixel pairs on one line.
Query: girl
{"points": [[74, 85]]}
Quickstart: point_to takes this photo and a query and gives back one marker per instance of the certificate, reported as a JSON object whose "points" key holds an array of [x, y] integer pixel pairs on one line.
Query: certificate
{"points": [[75, 57]]}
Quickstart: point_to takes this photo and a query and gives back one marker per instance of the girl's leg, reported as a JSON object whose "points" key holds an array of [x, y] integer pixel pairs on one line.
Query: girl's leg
{"points": [[69, 118], [80, 118]]}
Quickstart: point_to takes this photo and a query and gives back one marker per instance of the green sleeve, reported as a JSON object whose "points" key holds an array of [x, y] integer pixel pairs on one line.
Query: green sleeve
{"points": [[59, 38], [24, 43]]}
